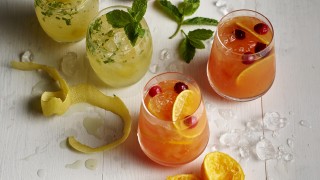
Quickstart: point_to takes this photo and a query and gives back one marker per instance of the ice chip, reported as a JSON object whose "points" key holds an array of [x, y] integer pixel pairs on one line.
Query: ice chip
{"points": [[305, 124], [244, 152], [26, 56], [273, 122], [154, 68], [220, 3], [288, 157], [227, 114], [290, 142], [254, 125], [176, 67], [265, 150], [69, 64], [164, 55], [230, 138]]}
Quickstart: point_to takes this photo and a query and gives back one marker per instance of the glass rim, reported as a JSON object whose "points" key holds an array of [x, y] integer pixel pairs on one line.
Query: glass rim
{"points": [[160, 121], [259, 54], [43, 3]]}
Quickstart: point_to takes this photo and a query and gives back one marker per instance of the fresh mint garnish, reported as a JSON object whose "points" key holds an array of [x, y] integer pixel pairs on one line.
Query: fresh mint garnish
{"points": [[185, 8], [130, 20], [193, 41]]}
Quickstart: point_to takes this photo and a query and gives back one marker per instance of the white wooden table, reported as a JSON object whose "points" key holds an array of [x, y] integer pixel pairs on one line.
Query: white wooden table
{"points": [[33, 146]]}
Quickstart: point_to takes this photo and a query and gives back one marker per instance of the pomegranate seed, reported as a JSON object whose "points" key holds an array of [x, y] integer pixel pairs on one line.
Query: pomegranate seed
{"points": [[180, 86], [154, 90], [191, 121], [261, 28], [248, 58], [239, 34], [259, 47]]}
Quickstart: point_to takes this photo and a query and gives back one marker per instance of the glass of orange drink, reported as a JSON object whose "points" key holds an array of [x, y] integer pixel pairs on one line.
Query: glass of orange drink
{"points": [[242, 64], [173, 127]]}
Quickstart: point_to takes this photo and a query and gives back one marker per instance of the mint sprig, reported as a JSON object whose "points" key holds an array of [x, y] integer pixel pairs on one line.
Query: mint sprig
{"points": [[130, 20], [193, 41], [185, 8]]}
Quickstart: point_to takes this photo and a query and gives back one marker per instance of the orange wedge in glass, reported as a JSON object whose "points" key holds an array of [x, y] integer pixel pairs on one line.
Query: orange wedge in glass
{"points": [[265, 41], [220, 166]]}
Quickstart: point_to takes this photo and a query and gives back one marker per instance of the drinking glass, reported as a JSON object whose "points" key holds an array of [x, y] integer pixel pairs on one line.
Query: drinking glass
{"points": [[164, 137], [66, 20], [115, 61], [241, 65]]}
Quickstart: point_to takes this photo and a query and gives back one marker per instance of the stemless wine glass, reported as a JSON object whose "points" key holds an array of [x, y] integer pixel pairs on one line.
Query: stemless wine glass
{"points": [[241, 66], [66, 20], [114, 60], [173, 128]]}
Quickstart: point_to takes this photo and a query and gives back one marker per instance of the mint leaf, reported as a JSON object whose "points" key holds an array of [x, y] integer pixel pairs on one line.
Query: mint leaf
{"points": [[172, 10], [132, 32], [200, 34], [188, 7], [200, 21], [118, 18], [187, 51], [196, 43], [139, 8]]}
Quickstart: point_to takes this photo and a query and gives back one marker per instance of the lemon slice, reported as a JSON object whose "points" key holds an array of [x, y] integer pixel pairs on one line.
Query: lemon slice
{"points": [[220, 166], [253, 33], [183, 177], [59, 102], [257, 71]]}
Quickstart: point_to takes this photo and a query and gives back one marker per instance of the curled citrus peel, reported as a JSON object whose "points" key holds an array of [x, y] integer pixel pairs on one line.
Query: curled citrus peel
{"points": [[58, 103]]}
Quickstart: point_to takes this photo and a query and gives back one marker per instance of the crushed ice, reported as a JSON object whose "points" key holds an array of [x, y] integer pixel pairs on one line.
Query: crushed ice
{"points": [[26, 56]]}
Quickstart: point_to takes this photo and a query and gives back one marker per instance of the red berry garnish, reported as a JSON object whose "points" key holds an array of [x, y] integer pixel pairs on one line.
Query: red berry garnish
{"points": [[259, 47], [190, 121], [180, 86], [154, 90], [239, 34], [261, 28], [248, 58]]}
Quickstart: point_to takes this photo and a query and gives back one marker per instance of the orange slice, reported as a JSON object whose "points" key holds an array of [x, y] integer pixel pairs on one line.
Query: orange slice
{"points": [[220, 166], [183, 177], [257, 71], [253, 33]]}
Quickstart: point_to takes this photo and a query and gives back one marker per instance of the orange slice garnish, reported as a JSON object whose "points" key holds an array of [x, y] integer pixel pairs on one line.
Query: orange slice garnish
{"points": [[253, 33]]}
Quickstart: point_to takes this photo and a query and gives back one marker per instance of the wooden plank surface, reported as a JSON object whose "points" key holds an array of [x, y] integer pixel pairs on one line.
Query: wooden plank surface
{"points": [[33, 146]]}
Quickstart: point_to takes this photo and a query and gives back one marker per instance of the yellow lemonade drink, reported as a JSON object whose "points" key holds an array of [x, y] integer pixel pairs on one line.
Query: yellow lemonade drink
{"points": [[173, 128], [111, 55], [66, 20], [242, 62]]}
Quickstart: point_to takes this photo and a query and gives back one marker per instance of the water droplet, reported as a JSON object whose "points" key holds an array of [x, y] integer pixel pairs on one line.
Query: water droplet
{"points": [[220, 3], [26, 56], [75, 165], [164, 55], [154, 68], [288, 157], [176, 67], [40, 87], [69, 63], [272, 121], [305, 124], [41, 173], [91, 164], [227, 114], [63, 144], [265, 150], [244, 152], [92, 125], [255, 125], [290, 142], [230, 138]]}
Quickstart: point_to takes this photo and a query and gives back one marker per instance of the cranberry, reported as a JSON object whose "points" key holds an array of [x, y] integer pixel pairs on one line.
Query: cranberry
{"points": [[239, 34], [259, 47], [191, 121], [180, 86], [261, 28], [154, 90], [248, 58]]}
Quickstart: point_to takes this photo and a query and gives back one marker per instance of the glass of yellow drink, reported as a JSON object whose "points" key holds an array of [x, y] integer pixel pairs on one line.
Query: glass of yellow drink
{"points": [[173, 127], [66, 20], [242, 63], [114, 59]]}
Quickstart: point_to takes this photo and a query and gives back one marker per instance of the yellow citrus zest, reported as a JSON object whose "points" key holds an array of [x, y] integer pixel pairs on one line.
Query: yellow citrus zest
{"points": [[59, 102], [183, 177], [252, 32], [220, 166]]}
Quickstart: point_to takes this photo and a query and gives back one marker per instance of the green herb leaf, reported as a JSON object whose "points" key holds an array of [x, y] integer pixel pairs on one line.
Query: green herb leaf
{"points": [[118, 18], [139, 8], [172, 10], [187, 51], [196, 43], [188, 7], [200, 34], [200, 21], [132, 31]]}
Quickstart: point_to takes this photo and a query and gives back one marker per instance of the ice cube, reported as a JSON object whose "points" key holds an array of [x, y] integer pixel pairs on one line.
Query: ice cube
{"points": [[164, 55], [227, 114], [288, 157], [272, 121], [26, 56], [154, 68], [265, 150], [230, 138], [220, 3], [244, 152], [69, 64], [254, 125], [290, 142]]}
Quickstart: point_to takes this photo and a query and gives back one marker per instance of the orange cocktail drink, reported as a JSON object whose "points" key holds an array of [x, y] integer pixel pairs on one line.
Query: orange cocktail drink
{"points": [[242, 61], [173, 128]]}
